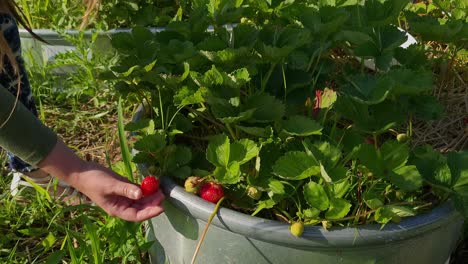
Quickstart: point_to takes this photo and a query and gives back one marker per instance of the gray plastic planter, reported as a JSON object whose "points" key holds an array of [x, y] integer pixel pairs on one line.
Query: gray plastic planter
{"points": [[56, 44], [38, 52], [234, 237], [35, 51]]}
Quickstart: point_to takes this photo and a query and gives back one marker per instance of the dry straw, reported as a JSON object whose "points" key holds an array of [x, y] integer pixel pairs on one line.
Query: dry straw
{"points": [[451, 132]]}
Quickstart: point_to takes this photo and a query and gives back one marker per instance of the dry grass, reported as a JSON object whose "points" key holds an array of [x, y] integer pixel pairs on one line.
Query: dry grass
{"points": [[451, 132], [93, 136]]}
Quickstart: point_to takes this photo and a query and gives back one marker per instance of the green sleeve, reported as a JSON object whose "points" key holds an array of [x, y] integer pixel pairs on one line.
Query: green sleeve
{"points": [[23, 134]]}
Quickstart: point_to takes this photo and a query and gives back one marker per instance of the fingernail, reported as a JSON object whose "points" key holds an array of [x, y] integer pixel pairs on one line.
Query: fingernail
{"points": [[136, 194]]}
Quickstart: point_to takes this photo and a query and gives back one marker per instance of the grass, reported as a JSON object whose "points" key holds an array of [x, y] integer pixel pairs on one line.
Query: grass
{"points": [[44, 231], [40, 230]]}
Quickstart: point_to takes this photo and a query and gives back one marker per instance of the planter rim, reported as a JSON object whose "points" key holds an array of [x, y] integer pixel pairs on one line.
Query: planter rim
{"points": [[55, 37], [314, 236]]}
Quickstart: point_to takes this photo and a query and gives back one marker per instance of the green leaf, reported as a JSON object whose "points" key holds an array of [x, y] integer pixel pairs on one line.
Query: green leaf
{"points": [[228, 56], [378, 13], [458, 163], [369, 89], [189, 96], [55, 257], [151, 143], [262, 132], [371, 119], [277, 187], [373, 202], [315, 196], [140, 124], [218, 151], [411, 82], [302, 126], [123, 42], [181, 172], [238, 78], [143, 157], [48, 241], [324, 152], [227, 113], [245, 35], [324, 174], [407, 178], [461, 204], [383, 215], [401, 211], [325, 21], [413, 57], [431, 28], [296, 165], [354, 37], [265, 204], [279, 43], [228, 175], [267, 108], [339, 208], [394, 154], [181, 155], [243, 151], [242, 116], [338, 173], [340, 188], [426, 107], [367, 154], [311, 213], [433, 166], [213, 77]]}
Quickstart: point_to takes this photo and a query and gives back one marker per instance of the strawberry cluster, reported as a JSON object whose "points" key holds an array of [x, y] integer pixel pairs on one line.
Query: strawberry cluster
{"points": [[209, 191]]}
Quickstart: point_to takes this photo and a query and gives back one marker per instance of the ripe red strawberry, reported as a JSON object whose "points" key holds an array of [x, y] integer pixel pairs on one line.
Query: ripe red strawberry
{"points": [[149, 185], [211, 192], [369, 141]]}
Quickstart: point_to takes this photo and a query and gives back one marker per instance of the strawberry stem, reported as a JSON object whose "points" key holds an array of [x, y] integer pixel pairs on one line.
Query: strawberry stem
{"points": [[197, 249]]}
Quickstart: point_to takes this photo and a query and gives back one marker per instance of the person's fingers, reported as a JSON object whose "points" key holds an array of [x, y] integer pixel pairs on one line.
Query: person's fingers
{"points": [[143, 209], [151, 200], [128, 190]]}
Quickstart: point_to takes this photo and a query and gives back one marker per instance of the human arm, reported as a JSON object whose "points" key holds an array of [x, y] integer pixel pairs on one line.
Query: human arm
{"points": [[26, 137]]}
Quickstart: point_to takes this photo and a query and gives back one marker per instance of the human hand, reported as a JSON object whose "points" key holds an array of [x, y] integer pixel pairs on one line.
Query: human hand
{"points": [[116, 195], [110, 191]]}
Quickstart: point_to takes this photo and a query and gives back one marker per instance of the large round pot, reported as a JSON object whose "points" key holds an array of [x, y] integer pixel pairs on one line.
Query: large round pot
{"points": [[235, 237], [37, 52]]}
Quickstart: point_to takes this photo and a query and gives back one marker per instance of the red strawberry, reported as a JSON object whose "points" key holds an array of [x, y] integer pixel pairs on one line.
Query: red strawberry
{"points": [[369, 141], [211, 192], [149, 185]]}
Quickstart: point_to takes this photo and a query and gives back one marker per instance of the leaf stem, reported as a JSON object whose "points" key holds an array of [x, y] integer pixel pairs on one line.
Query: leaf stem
{"points": [[267, 77], [161, 114], [197, 249], [231, 132], [284, 82]]}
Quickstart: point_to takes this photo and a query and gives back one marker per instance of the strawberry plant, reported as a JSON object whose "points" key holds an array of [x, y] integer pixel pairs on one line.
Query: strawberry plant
{"points": [[277, 109], [112, 14]]}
